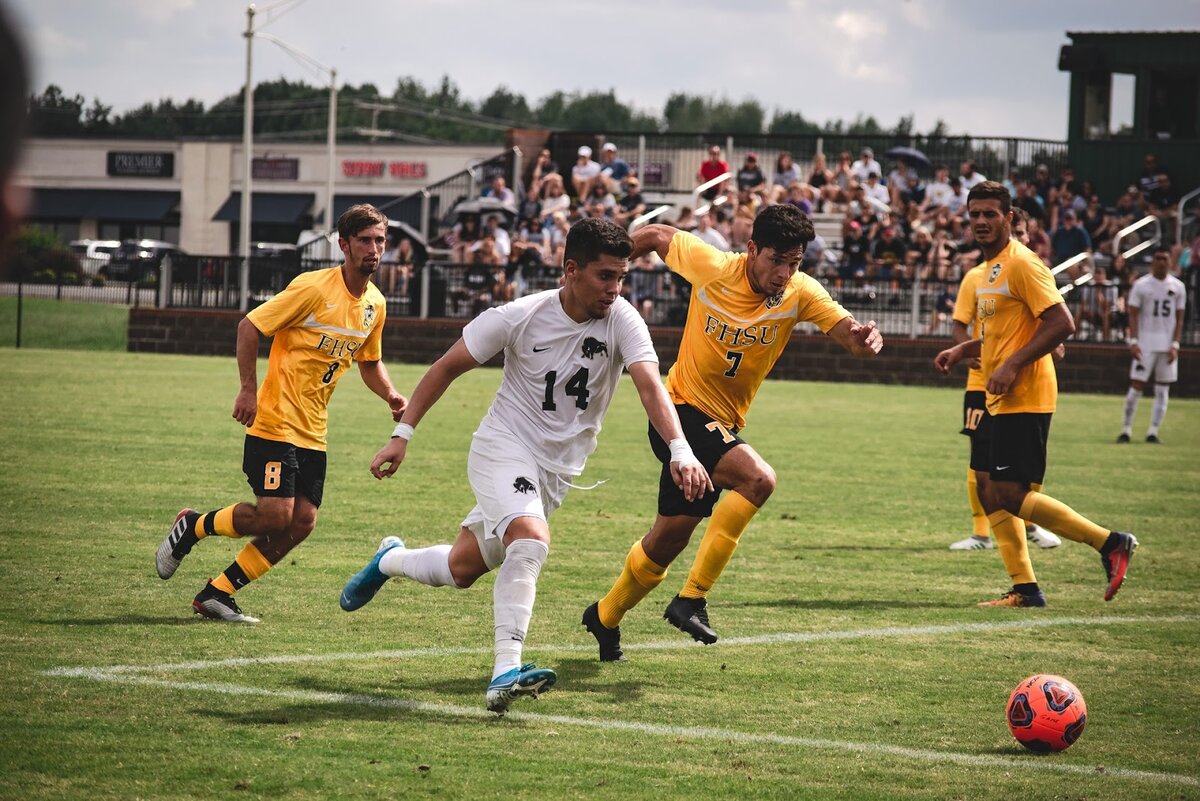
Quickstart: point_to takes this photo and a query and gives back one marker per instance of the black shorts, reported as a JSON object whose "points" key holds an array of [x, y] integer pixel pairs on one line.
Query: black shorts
{"points": [[977, 424], [710, 441], [281, 470], [1019, 447]]}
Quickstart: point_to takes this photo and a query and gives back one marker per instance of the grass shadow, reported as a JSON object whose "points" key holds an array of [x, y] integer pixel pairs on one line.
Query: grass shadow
{"points": [[123, 620]]}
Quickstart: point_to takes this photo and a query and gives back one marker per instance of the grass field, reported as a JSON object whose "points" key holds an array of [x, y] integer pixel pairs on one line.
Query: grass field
{"points": [[854, 663], [63, 324]]}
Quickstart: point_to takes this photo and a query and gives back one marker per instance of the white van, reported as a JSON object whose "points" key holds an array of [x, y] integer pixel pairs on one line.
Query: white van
{"points": [[93, 254]]}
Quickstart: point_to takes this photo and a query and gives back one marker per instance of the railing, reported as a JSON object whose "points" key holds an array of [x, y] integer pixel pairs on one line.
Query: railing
{"points": [[442, 290], [1179, 212], [1133, 228], [654, 213]]}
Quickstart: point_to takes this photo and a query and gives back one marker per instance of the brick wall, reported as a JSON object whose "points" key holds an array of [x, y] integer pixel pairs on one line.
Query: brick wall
{"points": [[1087, 368]]}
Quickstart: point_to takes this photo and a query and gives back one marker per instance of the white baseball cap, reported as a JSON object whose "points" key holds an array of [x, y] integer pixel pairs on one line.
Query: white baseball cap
{"points": [[585, 151], [609, 146]]}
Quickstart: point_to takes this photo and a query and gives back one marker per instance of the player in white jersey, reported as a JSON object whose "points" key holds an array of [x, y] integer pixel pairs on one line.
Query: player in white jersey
{"points": [[563, 354], [1156, 303]]}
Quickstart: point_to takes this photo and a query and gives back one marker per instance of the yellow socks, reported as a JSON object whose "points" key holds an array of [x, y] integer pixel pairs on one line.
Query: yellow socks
{"points": [[218, 522], [639, 576], [1062, 520], [249, 565], [1010, 540], [979, 521], [729, 519]]}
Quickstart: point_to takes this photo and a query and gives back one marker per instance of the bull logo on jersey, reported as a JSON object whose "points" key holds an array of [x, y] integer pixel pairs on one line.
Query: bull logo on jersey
{"points": [[592, 346], [524, 485], [368, 317], [995, 273], [774, 300]]}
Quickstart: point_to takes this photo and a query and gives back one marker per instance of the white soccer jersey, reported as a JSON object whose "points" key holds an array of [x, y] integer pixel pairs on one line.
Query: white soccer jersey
{"points": [[559, 375], [1158, 303]]}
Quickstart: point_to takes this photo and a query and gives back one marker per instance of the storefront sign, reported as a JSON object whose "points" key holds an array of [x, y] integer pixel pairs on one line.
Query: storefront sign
{"points": [[657, 174], [141, 165], [275, 169], [400, 170]]}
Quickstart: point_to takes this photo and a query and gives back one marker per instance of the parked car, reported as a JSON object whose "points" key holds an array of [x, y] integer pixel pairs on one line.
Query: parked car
{"points": [[137, 258], [93, 253]]}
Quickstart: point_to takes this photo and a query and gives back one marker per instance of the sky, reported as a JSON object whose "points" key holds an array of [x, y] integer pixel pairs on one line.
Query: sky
{"points": [[988, 69]]}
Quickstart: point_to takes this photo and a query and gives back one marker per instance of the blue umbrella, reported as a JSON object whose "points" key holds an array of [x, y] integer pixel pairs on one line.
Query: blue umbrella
{"points": [[911, 155]]}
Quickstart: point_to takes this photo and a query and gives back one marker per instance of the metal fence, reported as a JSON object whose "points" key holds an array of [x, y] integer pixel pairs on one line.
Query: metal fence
{"points": [[447, 290]]}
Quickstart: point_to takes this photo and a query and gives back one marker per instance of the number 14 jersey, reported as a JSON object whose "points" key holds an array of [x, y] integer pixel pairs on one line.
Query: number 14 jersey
{"points": [[559, 375]]}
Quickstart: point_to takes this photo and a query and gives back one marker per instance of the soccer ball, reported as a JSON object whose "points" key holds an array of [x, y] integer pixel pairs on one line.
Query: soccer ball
{"points": [[1046, 713]]}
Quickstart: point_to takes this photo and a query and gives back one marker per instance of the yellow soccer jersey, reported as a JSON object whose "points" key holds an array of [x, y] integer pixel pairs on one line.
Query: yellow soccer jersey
{"points": [[964, 312], [733, 335], [1014, 291], [319, 328]]}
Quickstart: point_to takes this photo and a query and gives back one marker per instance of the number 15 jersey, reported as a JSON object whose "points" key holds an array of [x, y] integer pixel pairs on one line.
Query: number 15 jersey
{"points": [[734, 335]]}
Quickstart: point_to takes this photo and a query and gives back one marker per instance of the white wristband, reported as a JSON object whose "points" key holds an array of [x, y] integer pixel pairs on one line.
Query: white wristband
{"points": [[1175, 345], [402, 430], [681, 451], [1133, 340]]}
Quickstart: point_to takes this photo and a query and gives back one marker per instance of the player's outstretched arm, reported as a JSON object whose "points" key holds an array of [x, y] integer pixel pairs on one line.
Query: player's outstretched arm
{"points": [[245, 405], [430, 388], [946, 360], [654, 237], [689, 475], [858, 338], [376, 377]]}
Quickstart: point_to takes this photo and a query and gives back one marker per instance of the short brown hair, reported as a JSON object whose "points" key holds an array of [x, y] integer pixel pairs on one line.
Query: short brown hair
{"points": [[991, 190], [358, 217]]}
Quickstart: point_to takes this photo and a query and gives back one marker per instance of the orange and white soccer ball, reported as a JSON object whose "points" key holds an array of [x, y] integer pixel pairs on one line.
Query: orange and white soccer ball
{"points": [[1046, 713]]}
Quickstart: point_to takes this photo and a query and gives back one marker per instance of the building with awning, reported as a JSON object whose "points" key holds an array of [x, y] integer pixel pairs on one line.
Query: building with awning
{"points": [[188, 192]]}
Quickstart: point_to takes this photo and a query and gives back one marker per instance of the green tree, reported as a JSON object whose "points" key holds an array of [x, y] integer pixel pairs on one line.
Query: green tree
{"points": [[54, 114], [792, 122], [503, 104]]}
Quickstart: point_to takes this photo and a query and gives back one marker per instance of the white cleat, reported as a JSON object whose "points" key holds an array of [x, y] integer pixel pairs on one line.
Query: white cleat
{"points": [[1040, 537], [973, 543]]}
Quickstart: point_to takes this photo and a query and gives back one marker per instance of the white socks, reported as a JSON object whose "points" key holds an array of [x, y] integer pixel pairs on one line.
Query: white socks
{"points": [[512, 600], [1131, 403], [1159, 410], [429, 566]]}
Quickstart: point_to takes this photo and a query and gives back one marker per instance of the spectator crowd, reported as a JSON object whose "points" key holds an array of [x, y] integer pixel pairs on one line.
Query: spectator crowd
{"points": [[900, 224]]}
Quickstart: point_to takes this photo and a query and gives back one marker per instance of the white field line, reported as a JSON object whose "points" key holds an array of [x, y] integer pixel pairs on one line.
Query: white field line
{"points": [[693, 732], [662, 645], [134, 674]]}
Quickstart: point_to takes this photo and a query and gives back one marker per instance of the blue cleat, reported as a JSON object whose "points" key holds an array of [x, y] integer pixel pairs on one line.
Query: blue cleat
{"points": [[363, 585], [527, 680]]}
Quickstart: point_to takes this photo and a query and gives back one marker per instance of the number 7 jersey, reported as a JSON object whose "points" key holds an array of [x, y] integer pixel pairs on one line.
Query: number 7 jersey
{"points": [[734, 335], [559, 375]]}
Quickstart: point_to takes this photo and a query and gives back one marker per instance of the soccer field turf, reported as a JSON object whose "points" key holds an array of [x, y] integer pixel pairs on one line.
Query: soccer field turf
{"points": [[853, 663]]}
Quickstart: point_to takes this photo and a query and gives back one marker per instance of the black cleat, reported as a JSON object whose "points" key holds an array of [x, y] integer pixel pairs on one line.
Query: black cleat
{"points": [[1153, 439], [609, 639], [178, 543], [1115, 555], [690, 615], [1122, 438], [217, 605]]}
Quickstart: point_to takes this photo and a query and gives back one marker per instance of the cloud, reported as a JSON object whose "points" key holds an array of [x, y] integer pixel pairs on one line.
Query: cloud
{"points": [[860, 29]]}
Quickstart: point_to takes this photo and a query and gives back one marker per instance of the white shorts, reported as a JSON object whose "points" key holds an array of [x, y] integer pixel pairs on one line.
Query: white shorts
{"points": [[507, 483], [1155, 364]]}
